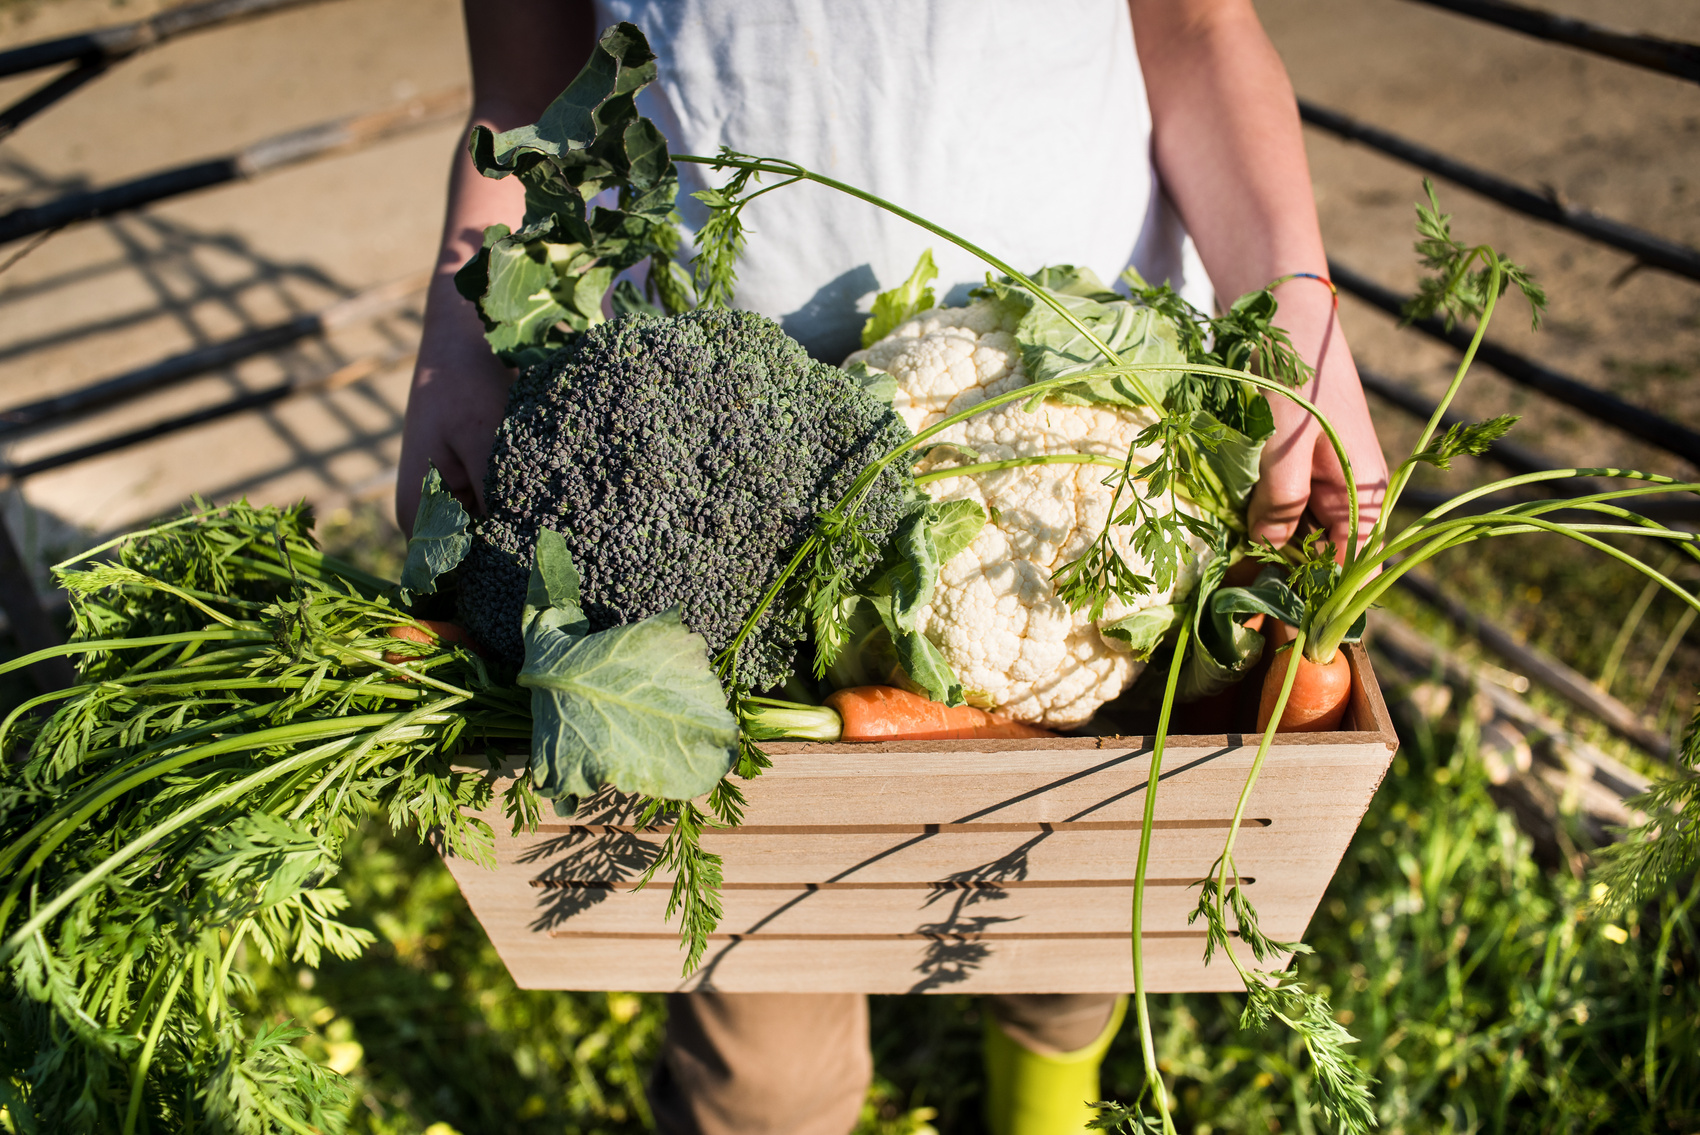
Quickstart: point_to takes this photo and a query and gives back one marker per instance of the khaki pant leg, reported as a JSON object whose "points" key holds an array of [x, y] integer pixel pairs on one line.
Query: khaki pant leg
{"points": [[1052, 1023], [762, 1064]]}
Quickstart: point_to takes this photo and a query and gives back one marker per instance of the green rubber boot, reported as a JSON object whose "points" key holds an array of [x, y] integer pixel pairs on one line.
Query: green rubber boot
{"points": [[1028, 1093]]}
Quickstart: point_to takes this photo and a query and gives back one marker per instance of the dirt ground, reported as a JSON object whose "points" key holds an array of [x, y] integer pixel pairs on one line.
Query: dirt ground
{"points": [[103, 297]]}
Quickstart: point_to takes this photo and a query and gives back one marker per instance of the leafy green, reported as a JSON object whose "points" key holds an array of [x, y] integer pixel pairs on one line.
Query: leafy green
{"points": [[907, 300], [1228, 649], [440, 538], [636, 706], [538, 286], [876, 383], [188, 800], [878, 626], [1142, 632], [932, 536], [923, 663], [1655, 856], [1051, 347], [1458, 290], [1472, 440], [551, 593]]}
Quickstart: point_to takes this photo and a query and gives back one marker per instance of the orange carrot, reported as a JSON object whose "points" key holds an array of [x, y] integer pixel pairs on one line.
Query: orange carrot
{"points": [[1320, 693], [429, 632], [883, 713]]}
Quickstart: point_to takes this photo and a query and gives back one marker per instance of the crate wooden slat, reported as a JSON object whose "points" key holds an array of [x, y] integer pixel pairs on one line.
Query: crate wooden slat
{"points": [[944, 866]]}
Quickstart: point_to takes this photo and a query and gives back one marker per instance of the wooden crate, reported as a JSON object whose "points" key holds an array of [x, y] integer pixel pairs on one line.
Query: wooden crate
{"points": [[945, 866]]}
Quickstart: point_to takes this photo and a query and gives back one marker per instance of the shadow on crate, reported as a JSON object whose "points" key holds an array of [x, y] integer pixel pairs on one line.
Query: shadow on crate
{"points": [[601, 853]]}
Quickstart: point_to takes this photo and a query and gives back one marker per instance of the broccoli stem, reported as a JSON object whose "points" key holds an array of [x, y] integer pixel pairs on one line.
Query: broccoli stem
{"points": [[769, 719]]}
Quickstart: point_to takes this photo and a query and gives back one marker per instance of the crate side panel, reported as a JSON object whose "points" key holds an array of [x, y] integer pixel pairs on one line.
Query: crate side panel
{"points": [[949, 855], [837, 788], [1057, 965], [510, 904]]}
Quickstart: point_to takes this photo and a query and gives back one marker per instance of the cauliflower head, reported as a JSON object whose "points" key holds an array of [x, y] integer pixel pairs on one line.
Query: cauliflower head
{"points": [[995, 613]]}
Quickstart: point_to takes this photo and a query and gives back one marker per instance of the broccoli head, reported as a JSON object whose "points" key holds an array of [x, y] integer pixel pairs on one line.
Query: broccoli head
{"points": [[684, 459]]}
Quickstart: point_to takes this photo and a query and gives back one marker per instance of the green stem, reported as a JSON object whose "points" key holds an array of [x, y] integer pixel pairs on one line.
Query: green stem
{"points": [[1349, 587], [225, 961], [769, 719], [90, 645], [1147, 1045], [109, 776], [797, 172], [1650, 1062], [413, 675], [181, 521], [294, 1125], [1402, 475], [932, 475], [139, 1074], [1227, 859], [1331, 630], [366, 745]]}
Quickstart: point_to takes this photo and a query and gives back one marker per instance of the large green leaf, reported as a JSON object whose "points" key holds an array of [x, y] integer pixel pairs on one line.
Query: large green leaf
{"points": [[637, 706], [441, 536]]}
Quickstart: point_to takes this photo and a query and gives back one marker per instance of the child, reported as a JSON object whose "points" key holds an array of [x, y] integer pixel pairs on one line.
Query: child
{"points": [[1158, 133]]}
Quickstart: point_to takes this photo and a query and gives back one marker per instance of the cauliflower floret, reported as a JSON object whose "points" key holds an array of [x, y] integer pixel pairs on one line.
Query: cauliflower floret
{"points": [[995, 614]]}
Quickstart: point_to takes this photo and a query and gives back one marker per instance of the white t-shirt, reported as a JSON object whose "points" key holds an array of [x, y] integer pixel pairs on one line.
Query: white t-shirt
{"points": [[1022, 126]]}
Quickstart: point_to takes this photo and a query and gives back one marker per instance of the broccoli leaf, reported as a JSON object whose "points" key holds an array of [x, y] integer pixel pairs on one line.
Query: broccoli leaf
{"points": [[907, 300], [440, 537], [1473, 440], [636, 706], [552, 591], [537, 288]]}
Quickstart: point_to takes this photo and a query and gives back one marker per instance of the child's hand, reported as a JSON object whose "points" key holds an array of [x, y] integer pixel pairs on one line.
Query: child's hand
{"points": [[1300, 469], [460, 391]]}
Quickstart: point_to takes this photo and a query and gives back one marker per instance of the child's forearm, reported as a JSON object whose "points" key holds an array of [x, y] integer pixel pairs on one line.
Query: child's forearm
{"points": [[523, 53], [1228, 148], [1227, 142]]}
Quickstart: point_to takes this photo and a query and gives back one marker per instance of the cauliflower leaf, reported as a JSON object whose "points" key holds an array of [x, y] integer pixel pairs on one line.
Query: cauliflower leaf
{"points": [[907, 300]]}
